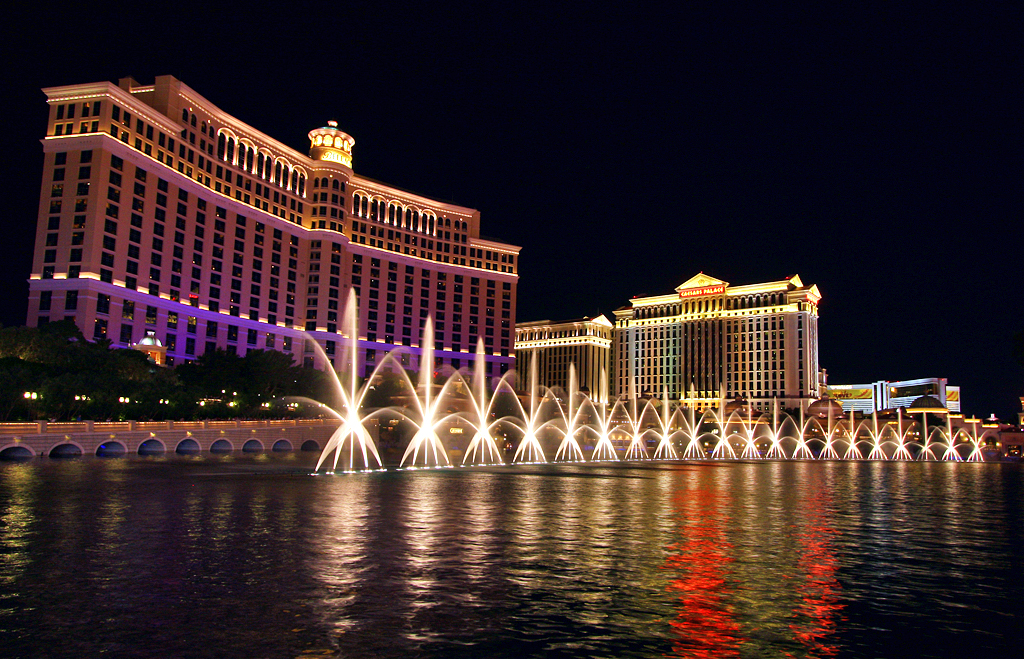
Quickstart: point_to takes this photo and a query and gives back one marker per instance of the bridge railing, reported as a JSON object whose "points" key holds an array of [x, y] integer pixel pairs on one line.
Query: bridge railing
{"points": [[76, 427]]}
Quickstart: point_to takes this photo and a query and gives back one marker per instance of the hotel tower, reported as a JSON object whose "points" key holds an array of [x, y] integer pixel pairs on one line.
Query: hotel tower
{"points": [[162, 217], [709, 340]]}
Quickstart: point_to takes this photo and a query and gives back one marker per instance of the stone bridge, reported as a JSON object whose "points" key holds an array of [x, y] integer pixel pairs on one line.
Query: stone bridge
{"points": [[109, 439]]}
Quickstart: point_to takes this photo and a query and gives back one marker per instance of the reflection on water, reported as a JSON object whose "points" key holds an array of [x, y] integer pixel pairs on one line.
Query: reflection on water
{"points": [[244, 556]]}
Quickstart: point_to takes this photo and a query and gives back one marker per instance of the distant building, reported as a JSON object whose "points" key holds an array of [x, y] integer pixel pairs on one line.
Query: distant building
{"points": [[584, 342], [162, 214], [886, 395], [711, 340]]}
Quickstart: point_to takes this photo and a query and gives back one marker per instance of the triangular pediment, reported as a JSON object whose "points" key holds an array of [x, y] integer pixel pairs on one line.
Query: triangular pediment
{"points": [[602, 320], [701, 280]]}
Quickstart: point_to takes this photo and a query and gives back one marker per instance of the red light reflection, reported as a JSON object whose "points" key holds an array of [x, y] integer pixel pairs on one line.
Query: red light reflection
{"points": [[704, 624]]}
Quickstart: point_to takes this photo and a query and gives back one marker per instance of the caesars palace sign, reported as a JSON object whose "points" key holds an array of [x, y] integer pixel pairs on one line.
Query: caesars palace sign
{"points": [[701, 291]]}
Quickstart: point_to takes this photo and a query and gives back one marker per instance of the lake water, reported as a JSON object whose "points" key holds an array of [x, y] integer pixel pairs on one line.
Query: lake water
{"points": [[252, 557]]}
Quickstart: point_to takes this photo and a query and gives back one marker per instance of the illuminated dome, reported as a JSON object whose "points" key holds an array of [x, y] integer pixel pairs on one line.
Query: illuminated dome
{"points": [[150, 340], [927, 404], [152, 348], [821, 408]]}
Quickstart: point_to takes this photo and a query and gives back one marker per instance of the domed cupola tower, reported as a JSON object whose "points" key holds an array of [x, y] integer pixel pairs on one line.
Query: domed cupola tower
{"points": [[331, 145]]}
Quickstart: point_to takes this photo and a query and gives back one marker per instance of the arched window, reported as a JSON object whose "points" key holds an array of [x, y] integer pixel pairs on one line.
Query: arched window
{"points": [[277, 173], [295, 180], [221, 146], [242, 150], [184, 115], [302, 185], [248, 159], [334, 184], [373, 209], [231, 151], [355, 204]]}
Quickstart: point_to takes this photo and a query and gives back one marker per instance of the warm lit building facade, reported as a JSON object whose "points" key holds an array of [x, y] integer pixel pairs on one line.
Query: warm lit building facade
{"points": [[710, 340], [886, 395], [585, 343], [162, 215]]}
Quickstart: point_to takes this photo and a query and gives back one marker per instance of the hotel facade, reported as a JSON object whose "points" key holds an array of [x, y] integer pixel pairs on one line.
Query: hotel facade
{"points": [[162, 216], [584, 343], [890, 395], [711, 340]]}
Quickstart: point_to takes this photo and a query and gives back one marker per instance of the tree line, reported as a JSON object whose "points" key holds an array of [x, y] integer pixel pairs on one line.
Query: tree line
{"points": [[53, 372]]}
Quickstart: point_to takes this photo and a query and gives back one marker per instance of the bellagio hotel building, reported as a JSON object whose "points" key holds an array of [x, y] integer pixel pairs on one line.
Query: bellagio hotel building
{"points": [[162, 216], [710, 340]]}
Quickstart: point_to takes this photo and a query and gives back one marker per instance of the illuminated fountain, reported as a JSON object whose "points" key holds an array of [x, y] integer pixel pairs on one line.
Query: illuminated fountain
{"points": [[465, 401], [803, 451], [351, 436], [746, 433], [691, 431], [831, 433], [722, 448], [529, 448], [852, 449], [604, 450], [877, 453], [972, 437], [665, 450], [483, 449], [426, 439], [775, 451], [569, 449], [902, 452]]}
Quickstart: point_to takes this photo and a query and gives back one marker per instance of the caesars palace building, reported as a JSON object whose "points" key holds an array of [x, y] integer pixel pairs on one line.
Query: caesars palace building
{"points": [[165, 220], [710, 340]]}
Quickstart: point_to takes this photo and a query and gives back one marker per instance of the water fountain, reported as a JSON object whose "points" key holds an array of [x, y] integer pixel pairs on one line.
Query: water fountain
{"points": [[433, 409], [529, 447], [569, 450], [604, 450], [665, 450], [483, 439]]}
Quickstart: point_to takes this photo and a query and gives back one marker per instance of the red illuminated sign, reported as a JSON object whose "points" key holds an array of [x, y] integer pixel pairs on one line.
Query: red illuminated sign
{"points": [[705, 290]]}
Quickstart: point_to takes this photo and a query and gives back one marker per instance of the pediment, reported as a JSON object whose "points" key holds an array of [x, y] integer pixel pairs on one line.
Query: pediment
{"points": [[701, 280]]}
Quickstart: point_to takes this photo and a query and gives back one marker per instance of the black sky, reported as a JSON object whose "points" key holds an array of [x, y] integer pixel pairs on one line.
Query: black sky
{"points": [[874, 150]]}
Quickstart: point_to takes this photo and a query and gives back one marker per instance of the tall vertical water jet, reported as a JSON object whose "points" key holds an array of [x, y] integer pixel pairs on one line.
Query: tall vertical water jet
{"points": [[747, 428], [876, 439], [901, 453], [352, 434], [775, 451], [665, 450], [723, 448], [852, 449], [569, 449], [604, 450], [529, 449], [426, 439], [951, 453], [803, 451], [483, 441], [829, 451], [976, 454]]}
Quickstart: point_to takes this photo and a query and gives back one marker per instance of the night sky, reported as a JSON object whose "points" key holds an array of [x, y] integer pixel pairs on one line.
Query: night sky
{"points": [[873, 150]]}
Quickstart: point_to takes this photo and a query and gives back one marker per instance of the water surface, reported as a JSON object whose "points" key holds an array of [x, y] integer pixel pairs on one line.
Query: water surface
{"points": [[252, 557]]}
